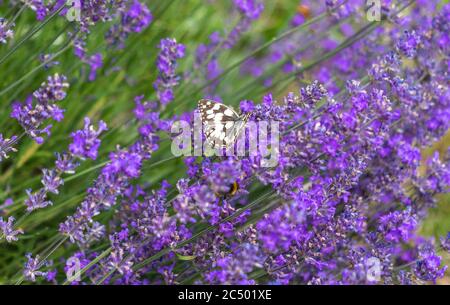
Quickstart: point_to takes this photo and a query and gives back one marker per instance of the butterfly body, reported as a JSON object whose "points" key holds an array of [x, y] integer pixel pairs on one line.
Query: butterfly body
{"points": [[222, 125]]}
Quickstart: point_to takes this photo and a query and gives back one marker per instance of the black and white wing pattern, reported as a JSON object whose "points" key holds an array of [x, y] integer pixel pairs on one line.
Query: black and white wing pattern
{"points": [[221, 123]]}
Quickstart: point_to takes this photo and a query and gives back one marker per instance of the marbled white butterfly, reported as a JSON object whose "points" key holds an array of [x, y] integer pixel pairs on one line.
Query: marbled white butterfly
{"points": [[222, 125]]}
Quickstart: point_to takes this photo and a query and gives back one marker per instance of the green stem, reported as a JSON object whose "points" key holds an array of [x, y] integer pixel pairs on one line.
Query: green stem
{"points": [[30, 34], [23, 78], [19, 12]]}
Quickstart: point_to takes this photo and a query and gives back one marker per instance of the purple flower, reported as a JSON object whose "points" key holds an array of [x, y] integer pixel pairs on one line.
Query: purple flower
{"points": [[51, 180], [246, 106], [428, 268], [206, 57], [409, 43], [39, 7], [124, 165], [137, 17], [95, 62], [78, 260], [8, 231], [40, 107], [166, 62], [51, 276], [222, 176], [134, 18], [37, 200], [52, 91], [65, 163], [252, 9], [348, 189], [99, 11], [398, 226], [85, 141], [6, 146], [445, 242], [124, 162], [85, 145], [5, 30], [246, 257], [8, 202], [32, 266]]}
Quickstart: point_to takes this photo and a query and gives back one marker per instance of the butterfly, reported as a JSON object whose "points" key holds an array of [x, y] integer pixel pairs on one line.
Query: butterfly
{"points": [[222, 125]]}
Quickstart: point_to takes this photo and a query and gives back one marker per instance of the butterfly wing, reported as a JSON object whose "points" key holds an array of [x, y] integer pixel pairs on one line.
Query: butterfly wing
{"points": [[211, 110], [234, 132], [221, 123]]}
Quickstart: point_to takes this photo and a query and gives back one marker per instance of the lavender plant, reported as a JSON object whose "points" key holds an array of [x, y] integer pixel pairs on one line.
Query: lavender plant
{"points": [[362, 113], [6, 31]]}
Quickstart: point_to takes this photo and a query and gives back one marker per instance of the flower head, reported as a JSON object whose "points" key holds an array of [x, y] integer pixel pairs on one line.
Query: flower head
{"points": [[85, 142], [5, 30], [40, 107], [6, 146], [37, 200], [8, 231], [170, 52], [32, 266], [428, 268], [250, 8], [134, 18]]}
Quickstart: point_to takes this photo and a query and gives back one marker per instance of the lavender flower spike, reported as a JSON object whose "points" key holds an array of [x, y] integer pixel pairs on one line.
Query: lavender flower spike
{"points": [[445, 242], [31, 270], [6, 146], [37, 200], [5, 30], [251, 9], [85, 145], [40, 107], [167, 64], [85, 141], [134, 18], [7, 229]]}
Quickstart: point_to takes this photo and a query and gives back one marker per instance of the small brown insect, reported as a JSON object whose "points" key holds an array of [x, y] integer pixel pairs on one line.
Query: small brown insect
{"points": [[304, 10]]}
